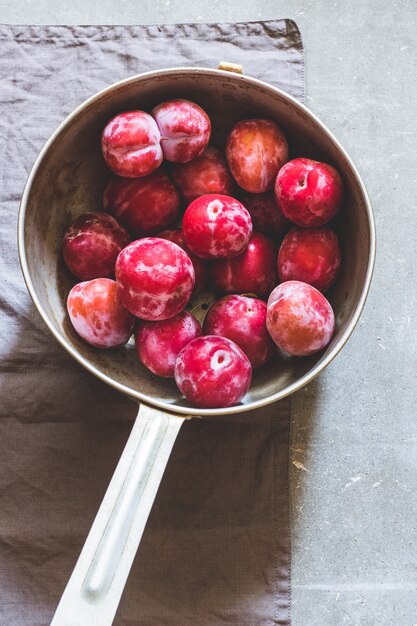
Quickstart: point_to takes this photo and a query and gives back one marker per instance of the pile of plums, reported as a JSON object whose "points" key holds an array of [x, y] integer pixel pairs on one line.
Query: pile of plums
{"points": [[254, 231]]}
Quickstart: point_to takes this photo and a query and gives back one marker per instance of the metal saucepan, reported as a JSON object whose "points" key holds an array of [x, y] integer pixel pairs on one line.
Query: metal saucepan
{"points": [[68, 179]]}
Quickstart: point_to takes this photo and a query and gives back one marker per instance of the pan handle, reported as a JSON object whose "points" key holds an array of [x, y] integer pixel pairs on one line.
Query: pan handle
{"points": [[93, 592]]}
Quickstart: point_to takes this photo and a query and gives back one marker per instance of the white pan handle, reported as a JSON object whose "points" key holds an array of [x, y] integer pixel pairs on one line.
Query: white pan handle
{"points": [[93, 592]]}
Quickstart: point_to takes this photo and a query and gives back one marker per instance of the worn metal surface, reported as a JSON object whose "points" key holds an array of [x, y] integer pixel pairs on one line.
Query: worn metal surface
{"points": [[69, 176], [94, 590]]}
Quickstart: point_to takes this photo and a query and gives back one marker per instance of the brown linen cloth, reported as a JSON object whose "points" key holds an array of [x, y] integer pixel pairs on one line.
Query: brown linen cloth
{"points": [[217, 546]]}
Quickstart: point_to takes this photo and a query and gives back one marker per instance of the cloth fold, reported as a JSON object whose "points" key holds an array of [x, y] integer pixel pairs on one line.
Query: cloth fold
{"points": [[217, 546]]}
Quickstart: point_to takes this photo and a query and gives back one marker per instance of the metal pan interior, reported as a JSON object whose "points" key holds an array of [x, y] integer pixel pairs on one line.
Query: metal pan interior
{"points": [[69, 177]]}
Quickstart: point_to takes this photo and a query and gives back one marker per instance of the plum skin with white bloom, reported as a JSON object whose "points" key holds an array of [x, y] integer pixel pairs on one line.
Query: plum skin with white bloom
{"points": [[216, 226], [309, 192], [92, 244], [158, 344], [213, 372], [97, 314], [185, 129], [155, 278], [143, 205], [242, 320], [299, 318], [131, 144]]}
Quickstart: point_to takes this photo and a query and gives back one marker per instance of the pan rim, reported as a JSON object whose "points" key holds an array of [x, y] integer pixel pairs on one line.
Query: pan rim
{"points": [[137, 395]]}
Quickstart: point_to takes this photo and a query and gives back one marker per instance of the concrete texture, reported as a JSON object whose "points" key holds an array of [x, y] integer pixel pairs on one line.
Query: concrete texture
{"points": [[354, 429]]}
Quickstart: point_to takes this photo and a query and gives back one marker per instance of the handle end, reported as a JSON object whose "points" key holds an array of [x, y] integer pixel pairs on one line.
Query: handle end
{"points": [[230, 67]]}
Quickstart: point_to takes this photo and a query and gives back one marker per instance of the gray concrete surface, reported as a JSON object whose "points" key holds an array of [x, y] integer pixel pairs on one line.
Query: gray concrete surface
{"points": [[354, 429]]}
